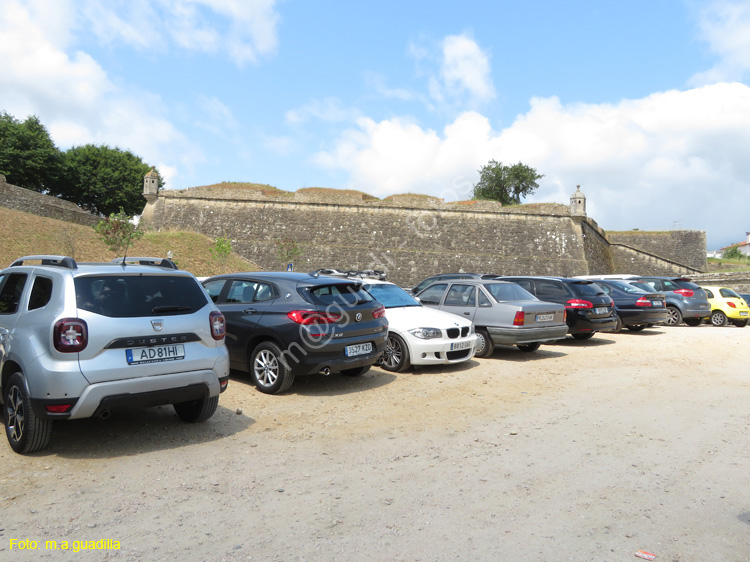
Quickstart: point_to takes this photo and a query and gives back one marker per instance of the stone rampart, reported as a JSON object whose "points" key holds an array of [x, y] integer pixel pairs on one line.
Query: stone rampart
{"points": [[20, 199], [687, 247]]}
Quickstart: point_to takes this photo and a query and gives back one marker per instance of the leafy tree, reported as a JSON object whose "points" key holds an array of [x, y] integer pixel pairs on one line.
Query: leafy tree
{"points": [[104, 180], [28, 157], [221, 250], [118, 232], [506, 184], [732, 253]]}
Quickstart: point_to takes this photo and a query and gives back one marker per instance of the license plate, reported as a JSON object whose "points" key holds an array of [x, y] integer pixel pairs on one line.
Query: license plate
{"points": [[140, 355], [544, 317], [601, 310], [743, 313], [460, 345], [359, 349], [657, 303]]}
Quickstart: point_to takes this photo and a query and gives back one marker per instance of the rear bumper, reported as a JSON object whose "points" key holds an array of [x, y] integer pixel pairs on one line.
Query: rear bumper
{"points": [[645, 316], [578, 324], [521, 335], [305, 360]]}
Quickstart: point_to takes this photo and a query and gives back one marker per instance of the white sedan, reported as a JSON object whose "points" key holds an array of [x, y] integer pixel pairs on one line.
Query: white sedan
{"points": [[419, 335]]}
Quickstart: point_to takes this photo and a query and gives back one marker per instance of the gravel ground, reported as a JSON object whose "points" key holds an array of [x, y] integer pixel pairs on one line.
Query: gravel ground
{"points": [[581, 451]]}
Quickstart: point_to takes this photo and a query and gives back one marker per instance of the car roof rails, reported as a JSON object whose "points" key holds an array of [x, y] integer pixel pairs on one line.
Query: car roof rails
{"points": [[362, 274], [61, 261], [158, 262]]}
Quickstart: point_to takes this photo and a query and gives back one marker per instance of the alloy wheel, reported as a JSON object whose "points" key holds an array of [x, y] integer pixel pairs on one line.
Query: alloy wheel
{"points": [[266, 368]]}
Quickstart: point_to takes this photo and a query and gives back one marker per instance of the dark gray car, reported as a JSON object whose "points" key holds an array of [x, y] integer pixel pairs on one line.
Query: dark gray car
{"points": [[503, 313], [686, 301]]}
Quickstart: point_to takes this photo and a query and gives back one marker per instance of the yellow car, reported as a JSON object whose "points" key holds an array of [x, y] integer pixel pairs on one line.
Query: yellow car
{"points": [[727, 305]]}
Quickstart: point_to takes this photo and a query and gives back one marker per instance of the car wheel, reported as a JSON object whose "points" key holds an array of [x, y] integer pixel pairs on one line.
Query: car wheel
{"points": [[718, 318], [674, 316], [740, 323], [485, 346], [268, 371], [26, 433], [197, 410], [396, 355], [358, 372], [584, 335], [529, 347], [618, 326], [638, 328], [692, 321]]}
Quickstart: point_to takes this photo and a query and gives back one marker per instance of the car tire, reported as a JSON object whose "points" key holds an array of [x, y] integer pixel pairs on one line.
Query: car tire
{"points": [[197, 411], [638, 328], [268, 370], [740, 323], [618, 326], [692, 321], [358, 372], [529, 347], [718, 318], [584, 335], [674, 316], [396, 355], [485, 345], [26, 432]]}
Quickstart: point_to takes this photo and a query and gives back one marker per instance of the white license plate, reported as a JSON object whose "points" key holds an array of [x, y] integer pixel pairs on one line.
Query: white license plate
{"points": [[359, 349], [460, 345], [139, 355], [743, 313], [545, 317], [657, 303], [601, 310]]}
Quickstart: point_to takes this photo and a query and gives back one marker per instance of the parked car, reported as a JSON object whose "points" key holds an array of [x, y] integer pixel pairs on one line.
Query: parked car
{"points": [[727, 305], [81, 339], [589, 310], [686, 301], [417, 334], [282, 324], [636, 308], [503, 313], [426, 282]]}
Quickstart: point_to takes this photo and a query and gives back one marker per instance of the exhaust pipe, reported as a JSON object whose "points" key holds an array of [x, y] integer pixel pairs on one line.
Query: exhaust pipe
{"points": [[326, 371], [104, 414]]}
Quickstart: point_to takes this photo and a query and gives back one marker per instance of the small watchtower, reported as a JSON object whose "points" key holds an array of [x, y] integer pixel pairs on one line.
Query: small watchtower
{"points": [[578, 203], [151, 185]]}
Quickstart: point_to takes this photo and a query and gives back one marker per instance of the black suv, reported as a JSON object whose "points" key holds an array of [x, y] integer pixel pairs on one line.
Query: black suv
{"points": [[686, 301], [589, 310], [280, 325]]}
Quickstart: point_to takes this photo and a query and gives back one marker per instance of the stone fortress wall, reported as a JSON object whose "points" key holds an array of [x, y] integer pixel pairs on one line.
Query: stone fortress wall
{"points": [[413, 236], [20, 199]]}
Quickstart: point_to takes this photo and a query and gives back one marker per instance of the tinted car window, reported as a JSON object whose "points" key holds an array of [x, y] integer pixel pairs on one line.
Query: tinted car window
{"points": [[391, 296], [213, 288], [10, 292], [688, 285], [728, 293], [129, 297], [550, 289], [350, 294], [709, 293], [586, 289], [433, 294], [41, 292], [509, 292]]}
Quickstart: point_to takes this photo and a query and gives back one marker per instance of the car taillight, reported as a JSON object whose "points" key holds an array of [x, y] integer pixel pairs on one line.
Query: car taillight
{"points": [[685, 292], [379, 312], [58, 408], [518, 319], [308, 317], [578, 303], [70, 335], [731, 304], [643, 301], [218, 325]]}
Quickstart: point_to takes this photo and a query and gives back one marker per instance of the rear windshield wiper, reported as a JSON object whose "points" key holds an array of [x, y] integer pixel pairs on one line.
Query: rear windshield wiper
{"points": [[170, 308]]}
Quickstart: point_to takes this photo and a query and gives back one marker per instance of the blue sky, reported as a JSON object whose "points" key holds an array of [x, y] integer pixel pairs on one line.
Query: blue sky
{"points": [[645, 104]]}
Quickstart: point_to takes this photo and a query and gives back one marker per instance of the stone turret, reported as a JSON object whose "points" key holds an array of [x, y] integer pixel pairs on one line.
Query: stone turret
{"points": [[151, 185], [578, 203]]}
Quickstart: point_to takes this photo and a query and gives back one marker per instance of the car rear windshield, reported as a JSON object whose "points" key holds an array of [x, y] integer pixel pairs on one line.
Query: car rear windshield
{"points": [[391, 296], [509, 292], [586, 289], [125, 296], [685, 284], [340, 294]]}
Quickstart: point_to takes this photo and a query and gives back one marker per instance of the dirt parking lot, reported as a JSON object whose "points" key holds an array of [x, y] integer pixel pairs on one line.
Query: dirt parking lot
{"points": [[581, 451]]}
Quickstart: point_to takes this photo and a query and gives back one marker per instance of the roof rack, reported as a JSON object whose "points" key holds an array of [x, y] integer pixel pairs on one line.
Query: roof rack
{"points": [[61, 261], [158, 262], [362, 274]]}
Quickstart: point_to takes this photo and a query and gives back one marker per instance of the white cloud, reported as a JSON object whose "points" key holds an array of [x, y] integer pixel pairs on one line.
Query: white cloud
{"points": [[466, 68], [725, 26], [676, 157]]}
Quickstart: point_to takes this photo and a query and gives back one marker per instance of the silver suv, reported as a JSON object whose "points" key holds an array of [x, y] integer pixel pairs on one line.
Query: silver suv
{"points": [[80, 339]]}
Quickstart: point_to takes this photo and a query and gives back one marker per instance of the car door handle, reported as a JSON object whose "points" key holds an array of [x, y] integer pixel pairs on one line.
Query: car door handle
{"points": [[250, 310], [467, 313]]}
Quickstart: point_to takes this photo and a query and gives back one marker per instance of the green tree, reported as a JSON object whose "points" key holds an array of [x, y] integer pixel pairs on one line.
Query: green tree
{"points": [[118, 232], [732, 253], [506, 184], [28, 157], [104, 180], [221, 250]]}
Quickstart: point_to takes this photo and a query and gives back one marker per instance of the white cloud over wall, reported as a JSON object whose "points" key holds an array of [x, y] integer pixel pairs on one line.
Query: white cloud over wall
{"points": [[725, 27]]}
